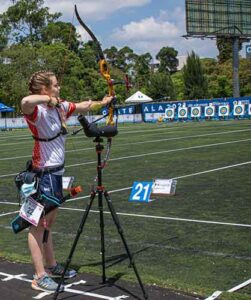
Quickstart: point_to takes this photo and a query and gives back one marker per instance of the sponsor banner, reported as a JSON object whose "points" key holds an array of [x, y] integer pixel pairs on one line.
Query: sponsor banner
{"points": [[12, 123], [223, 110], [209, 108], [127, 110], [196, 111], [239, 109], [209, 111], [168, 111], [248, 51]]}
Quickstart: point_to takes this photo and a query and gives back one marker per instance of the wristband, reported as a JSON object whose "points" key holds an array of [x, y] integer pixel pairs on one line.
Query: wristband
{"points": [[50, 104], [58, 102]]}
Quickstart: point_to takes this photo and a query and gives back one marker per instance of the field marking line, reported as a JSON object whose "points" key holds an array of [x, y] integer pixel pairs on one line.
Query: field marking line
{"points": [[216, 294], [240, 286], [178, 177], [149, 216], [163, 218], [122, 131], [213, 170], [79, 126], [67, 288], [9, 213], [158, 217], [138, 143], [28, 136], [162, 152], [70, 138]]}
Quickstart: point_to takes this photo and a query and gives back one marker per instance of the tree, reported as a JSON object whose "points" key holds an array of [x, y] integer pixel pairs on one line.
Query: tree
{"points": [[25, 20], [168, 59], [17, 64], [225, 48], [161, 86], [60, 32], [245, 76], [178, 84], [219, 77], [126, 59], [123, 59], [142, 70], [21, 61], [112, 55], [195, 82]]}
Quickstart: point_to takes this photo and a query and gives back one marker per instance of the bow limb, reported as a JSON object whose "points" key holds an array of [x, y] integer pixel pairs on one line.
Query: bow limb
{"points": [[95, 40], [103, 66]]}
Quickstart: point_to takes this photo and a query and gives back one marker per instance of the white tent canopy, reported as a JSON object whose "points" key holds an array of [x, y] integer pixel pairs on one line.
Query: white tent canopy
{"points": [[138, 97]]}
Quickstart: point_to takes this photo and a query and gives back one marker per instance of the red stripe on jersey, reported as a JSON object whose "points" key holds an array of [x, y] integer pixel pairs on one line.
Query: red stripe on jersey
{"points": [[71, 109], [32, 117], [36, 156]]}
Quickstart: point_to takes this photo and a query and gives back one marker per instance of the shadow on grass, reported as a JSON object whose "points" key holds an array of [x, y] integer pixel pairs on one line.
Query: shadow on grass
{"points": [[116, 259]]}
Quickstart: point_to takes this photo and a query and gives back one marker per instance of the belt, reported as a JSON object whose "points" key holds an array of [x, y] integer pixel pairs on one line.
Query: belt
{"points": [[47, 170]]}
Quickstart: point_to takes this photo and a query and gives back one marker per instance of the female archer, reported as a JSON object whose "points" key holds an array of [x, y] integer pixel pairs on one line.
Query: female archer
{"points": [[46, 114]]}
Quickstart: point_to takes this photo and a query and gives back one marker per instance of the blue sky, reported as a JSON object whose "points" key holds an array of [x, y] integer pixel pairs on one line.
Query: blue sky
{"points": [[143, 25]]}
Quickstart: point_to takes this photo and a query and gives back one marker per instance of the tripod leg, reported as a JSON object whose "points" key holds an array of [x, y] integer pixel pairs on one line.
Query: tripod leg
{"points": [[102, 232], [80, 230], [120, 231]]}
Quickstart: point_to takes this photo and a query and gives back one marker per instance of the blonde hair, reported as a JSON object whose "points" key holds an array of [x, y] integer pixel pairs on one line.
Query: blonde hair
{"points": [[39, 79]]}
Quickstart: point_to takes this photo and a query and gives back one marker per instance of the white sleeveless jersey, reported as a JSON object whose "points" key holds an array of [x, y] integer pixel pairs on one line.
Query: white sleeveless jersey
{"points": [[45, 123]]}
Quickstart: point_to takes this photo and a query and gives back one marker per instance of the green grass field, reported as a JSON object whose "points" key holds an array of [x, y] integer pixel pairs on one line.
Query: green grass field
{"points": [[172, 247]]}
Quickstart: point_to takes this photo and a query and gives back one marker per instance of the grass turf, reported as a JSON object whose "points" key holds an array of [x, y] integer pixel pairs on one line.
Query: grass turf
{"points": [[180, 254]]}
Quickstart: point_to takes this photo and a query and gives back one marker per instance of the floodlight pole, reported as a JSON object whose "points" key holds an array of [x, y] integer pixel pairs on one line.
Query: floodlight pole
{"points": [[236, 82]]}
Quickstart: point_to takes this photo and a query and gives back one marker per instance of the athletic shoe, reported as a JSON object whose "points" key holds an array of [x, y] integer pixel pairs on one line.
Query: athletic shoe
{"points": [[46, 284], [57, 271]]}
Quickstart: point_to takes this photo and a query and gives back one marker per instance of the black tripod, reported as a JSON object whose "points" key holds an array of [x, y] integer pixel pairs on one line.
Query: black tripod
{"points": [[101, 192]]}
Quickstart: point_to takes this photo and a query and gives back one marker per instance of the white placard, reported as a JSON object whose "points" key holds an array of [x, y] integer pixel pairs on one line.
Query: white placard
{"points": [[169, 113], [182, 112], [223, 110], [249, 109], [209, 111], [67, 182], [164, 187], [195, 111], [239, 110], [31, 211]]}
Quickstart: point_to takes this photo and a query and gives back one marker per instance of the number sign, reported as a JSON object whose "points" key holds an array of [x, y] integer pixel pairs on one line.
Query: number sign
{"points": [[141, 191]]}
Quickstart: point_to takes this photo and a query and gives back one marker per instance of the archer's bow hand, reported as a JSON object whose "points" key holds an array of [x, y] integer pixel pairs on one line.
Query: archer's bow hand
{"points": [[107, 100]]}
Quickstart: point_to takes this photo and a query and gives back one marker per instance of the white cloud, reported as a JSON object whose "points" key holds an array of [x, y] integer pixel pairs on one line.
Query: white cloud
{"points": [[4, 4], [92, 9], [88, 9], [151, 34], [148, 34], [148, 29], [83, 33]]}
